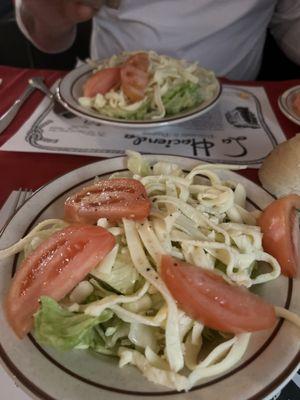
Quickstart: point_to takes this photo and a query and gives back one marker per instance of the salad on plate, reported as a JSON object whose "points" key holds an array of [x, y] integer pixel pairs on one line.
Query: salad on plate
{"points": [[147, 86], [155, 266]]}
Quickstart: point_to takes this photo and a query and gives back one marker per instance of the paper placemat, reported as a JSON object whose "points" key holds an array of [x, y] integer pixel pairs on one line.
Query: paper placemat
{"points": [[240, 129]]}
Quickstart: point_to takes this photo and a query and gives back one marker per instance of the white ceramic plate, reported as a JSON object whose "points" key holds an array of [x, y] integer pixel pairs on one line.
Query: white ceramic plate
{"points": [[270, 361], [70, 89], [285, 104]]}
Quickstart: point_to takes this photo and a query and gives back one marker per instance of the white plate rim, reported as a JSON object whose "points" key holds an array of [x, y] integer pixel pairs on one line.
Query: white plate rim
{"points": [[269, 391]]}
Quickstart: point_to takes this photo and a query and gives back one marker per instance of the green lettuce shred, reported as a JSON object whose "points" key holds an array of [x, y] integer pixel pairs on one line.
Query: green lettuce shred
{"points": [[122, 277], [182, 97], [137, 164], [65, 330]]}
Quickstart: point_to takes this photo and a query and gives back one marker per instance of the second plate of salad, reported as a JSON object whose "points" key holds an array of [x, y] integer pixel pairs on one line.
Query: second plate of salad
{"points": [[139, 89]]}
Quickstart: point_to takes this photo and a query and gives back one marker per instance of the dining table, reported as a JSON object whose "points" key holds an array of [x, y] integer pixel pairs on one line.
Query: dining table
{"points": [[33, 170]]}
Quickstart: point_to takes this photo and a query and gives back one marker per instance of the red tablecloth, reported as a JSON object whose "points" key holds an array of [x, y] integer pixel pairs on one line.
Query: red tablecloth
{"points": [[31, 170]]}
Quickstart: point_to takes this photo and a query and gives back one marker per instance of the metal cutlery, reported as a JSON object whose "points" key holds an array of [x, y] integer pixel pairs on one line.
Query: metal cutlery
{"points": [[33, 84], [18, 200], [38, 83], [10, 114], [23, 195]]}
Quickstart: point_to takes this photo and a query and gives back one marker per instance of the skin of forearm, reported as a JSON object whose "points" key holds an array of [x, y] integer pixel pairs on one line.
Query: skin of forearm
{"points": [[48, 36]]}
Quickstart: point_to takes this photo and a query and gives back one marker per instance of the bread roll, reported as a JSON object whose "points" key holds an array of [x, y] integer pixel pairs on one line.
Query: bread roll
{"points": [[280, 171]]}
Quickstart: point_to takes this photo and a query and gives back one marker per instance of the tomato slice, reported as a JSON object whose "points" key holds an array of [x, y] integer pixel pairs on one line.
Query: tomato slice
{"points": [[111, 198], [279, 224], [139, 61], [135, 76], [102, 81], [54, 269], [207, 297]]}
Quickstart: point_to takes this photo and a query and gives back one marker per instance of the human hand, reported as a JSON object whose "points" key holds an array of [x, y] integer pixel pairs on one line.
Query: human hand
{"points": [[50, 25], [60, 13]]}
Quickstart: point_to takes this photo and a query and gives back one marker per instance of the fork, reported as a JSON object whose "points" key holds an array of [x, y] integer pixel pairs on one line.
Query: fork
{"points": [[20, 198], [39, 84]]}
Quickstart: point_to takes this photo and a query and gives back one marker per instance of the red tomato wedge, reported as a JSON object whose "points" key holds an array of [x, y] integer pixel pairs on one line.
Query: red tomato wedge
{"points": [[110, 198], [135, 76], [207, 297], [54, 269], [279, 224], [139, 61], [102, 81]]}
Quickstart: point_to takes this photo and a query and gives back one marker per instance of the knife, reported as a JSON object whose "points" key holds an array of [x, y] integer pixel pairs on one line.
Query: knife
{"points": [[10, 114]]}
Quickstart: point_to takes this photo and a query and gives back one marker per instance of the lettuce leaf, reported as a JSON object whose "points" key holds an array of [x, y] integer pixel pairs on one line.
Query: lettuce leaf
{"points": [[65, 330], [122, 277], [181, 97], [137, 164]]}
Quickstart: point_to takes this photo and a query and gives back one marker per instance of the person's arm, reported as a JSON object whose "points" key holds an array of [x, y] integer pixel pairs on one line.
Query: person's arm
{"points": [[285, 27], [51, 24]]}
